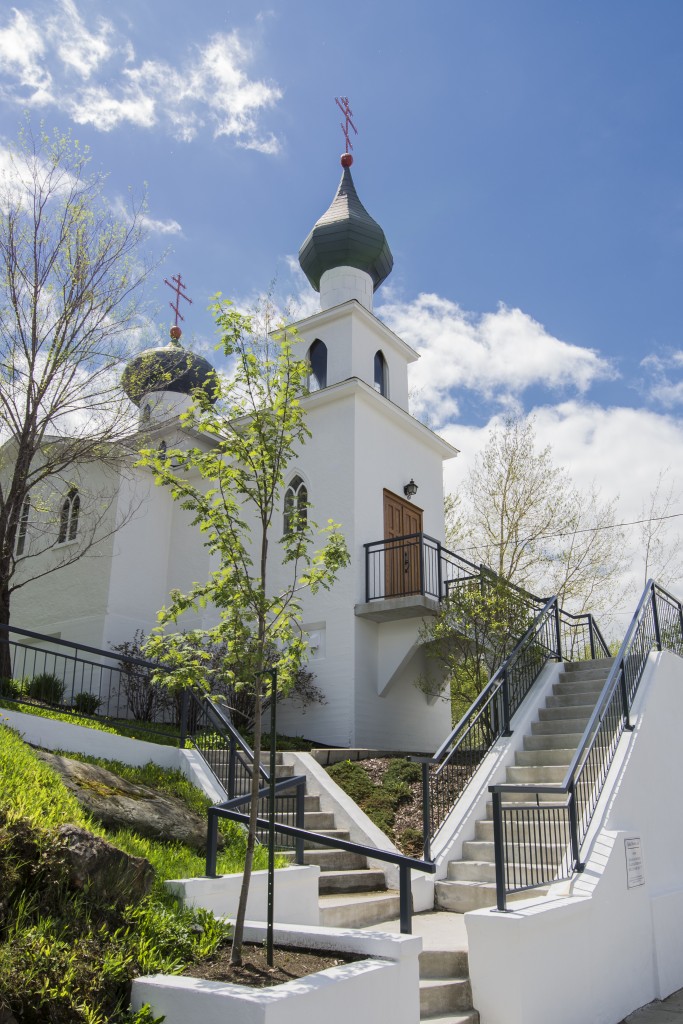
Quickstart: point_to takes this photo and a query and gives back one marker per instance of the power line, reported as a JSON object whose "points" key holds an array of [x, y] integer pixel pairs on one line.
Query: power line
{"points": [[572, 533]]}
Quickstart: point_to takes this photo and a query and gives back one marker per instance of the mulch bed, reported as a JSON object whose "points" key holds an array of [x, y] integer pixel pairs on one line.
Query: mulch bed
{"points": [[289, 964]]}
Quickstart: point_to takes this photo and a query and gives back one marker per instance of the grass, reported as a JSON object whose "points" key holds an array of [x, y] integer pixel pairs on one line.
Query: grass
{"points": [[68, 956], [168, 735]]}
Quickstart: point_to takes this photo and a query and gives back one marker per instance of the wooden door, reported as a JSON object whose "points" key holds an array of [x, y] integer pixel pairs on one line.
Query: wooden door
{"points": [[401, 559]]}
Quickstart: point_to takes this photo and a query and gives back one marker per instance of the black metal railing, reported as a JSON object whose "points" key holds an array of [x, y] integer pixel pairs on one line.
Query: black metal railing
{"points": [[301, 836], [553, 635], [526, 815], [414, 564], [208, 728], [77, 679]]}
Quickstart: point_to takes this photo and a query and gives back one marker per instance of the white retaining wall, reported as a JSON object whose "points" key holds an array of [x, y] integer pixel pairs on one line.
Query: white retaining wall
{"points": [[598, 948]]}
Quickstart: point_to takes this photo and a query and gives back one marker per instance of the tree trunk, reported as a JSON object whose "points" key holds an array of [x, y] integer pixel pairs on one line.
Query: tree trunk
{"points": [[5, 652]]}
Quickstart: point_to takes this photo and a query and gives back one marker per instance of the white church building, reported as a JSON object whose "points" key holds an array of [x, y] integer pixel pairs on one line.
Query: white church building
{"points": [[368, 465]]}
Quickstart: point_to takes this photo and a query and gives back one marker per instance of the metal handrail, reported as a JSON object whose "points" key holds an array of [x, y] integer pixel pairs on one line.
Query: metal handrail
{"points": [[404, 864], [459, 756], [566, 791]]}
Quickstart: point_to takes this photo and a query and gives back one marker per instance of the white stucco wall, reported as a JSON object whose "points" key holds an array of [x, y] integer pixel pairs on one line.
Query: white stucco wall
{"points": [[597, 949]]}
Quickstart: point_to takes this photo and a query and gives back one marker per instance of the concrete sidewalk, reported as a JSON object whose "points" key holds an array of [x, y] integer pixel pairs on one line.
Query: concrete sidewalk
{"points": [[664, 1011]]}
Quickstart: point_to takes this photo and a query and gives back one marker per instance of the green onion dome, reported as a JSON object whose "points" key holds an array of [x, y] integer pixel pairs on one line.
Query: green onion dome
{"points": [[346, 236], [166, 368]]}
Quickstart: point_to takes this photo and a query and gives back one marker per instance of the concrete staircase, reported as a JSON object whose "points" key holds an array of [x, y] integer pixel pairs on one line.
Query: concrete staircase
{"points": [[547, 752], [352, 895], [445, 990]]}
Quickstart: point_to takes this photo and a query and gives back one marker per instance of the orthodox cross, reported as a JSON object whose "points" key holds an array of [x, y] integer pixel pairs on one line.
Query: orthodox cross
{"points": [[179, 288], [343, 105]]}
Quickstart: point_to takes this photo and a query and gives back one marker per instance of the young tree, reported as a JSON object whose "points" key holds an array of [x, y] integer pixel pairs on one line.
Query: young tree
{"points": [[70, 272], [661, 550], [232, 486], [530, 523]]}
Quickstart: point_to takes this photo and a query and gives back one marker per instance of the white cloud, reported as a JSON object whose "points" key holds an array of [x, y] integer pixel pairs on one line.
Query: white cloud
{"points": [[91, 74], [666, 385], [621, 450], [21, 51], [161, 227], [495, 355], [81, 50]]}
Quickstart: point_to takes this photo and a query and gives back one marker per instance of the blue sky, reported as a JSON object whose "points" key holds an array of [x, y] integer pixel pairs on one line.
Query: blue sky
{"points": [[525, 160]]}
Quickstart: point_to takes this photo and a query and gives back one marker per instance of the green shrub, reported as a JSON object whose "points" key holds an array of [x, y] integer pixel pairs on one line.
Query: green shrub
{"points": [[10, 688], [46, 686], [86, 703], [411, 841], [401, 771], [353, 779]]}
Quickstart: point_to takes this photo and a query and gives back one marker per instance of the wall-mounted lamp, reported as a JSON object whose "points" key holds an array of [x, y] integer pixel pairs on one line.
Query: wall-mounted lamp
{"points": [[410, 489]]}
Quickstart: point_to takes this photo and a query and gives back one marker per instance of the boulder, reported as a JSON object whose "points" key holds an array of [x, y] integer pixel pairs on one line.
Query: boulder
{"points": [[120, 804], [91, 862]]}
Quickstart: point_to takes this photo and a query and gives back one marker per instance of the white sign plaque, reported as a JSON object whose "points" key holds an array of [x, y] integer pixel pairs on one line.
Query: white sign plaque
{"points": [[635, 873]]}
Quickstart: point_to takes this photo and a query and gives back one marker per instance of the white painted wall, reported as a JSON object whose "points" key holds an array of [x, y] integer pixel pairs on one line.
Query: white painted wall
{"points": [[344, 283], [295, 902], [596, 950], [371, 990]]}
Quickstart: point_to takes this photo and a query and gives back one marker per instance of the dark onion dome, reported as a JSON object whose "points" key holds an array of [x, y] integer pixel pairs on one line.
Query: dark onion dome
{"points": [[346, 236], [166, 368]]}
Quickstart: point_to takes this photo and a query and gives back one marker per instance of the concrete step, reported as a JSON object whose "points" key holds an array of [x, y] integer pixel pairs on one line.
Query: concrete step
{"points": [[464, 1017], [483, 851], [585, 675], [363, 880], [335, 860], [439, 995], [354, 911], [531, 828], [590, 687], [334, 833], [544, 757], [583, 666], [552, 741], [460, 897], [568, 700], [471, 871], [544, 773], [444, 963], [551, 726], [574, 713]]}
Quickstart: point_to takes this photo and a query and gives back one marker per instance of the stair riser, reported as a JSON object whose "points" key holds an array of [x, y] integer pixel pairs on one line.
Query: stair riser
{"points": [[459, 898], [471, 871], [364, 881], [577, 713], [335, 860], [528, 830], [553, 741], [360, 915], [541, 758], [485, 852], [558, 726], [444, 963], [590, 691], [547, 773], [570, 700], [453, 994]]}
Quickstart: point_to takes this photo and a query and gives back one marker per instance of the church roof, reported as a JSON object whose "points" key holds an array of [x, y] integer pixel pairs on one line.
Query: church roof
{"points": [[346, 236], [165, 368]]}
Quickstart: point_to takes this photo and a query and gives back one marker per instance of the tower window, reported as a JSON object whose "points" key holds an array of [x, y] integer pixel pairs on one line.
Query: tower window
{"points": [[381, 381], [296, 506], [68, 518], [317, 362], [162, 451], [147, 413], [23, 526]]}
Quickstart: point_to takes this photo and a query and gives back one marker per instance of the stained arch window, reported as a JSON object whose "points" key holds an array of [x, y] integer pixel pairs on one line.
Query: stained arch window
{"points": [[296, 505], [381, 376], [162, 451], [23, 525], [317, 362], [68, 517]]}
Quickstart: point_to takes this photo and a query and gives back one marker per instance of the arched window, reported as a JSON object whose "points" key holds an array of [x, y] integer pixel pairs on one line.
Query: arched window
{"points": [[23, 525], [68, 518], [296, 505], [317, 362], [381, 382], [162, 451], [147, 413]]}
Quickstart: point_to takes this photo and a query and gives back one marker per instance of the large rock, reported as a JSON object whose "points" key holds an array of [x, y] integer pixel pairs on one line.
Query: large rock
{"points": [[120, 804], [93, 863]]}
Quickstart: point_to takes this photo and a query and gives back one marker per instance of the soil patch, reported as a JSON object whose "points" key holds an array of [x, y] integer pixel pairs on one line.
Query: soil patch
{"points": [[289, 965]]}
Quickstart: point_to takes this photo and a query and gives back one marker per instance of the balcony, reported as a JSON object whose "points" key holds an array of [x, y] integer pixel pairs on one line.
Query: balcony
{"points": [[408, 577]]}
